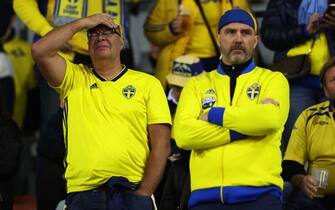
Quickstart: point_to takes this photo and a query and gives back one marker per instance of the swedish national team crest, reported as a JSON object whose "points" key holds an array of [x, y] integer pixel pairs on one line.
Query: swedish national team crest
{"points": [[253, 91], [128, 91]]}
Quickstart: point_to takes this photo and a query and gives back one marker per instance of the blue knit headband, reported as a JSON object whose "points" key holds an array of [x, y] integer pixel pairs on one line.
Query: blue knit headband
{"points": [[237, 15]]}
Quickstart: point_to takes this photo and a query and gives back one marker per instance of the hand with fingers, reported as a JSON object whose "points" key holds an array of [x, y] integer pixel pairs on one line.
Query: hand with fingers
{"points": [[269, 101], [203, 117], [313, 26], [97, 19], [308, 186], [179, 24], [328, 19]]}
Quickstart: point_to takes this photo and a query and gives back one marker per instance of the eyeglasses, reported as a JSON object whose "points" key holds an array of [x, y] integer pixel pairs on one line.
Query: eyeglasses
{"points": [[107, 32]]}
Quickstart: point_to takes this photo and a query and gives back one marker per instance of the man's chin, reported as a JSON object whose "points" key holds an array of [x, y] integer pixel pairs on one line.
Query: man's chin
{"points": [[238, 60], [101, 55]]}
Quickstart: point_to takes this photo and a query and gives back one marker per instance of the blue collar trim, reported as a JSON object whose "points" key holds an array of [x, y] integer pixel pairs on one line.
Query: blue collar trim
{"points": [[123, 71], [249, 68]]}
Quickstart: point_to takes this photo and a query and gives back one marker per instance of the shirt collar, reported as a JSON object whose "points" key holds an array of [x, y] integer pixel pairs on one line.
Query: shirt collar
{"points": [[244, 67], [121, 73]]}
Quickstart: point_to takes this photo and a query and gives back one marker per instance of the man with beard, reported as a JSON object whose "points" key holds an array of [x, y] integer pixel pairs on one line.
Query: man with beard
{"points": [[313, 141], [116, 120], [232, 119]]}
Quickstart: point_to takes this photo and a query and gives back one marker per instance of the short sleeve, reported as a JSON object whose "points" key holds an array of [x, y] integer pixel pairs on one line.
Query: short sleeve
{"points": [[297, 147], [157, 106], [69, 79]]}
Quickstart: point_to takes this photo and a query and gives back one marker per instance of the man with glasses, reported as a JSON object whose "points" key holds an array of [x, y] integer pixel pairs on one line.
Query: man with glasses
{"points": [[116, 120], [41, 16]]}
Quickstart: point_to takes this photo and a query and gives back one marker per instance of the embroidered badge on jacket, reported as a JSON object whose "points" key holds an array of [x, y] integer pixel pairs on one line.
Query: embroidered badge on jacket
{"points": [[253, 91], [209, 99]]}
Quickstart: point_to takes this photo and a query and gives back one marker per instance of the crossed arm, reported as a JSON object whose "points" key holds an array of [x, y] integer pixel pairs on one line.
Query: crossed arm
{"points": [[192, 130]]}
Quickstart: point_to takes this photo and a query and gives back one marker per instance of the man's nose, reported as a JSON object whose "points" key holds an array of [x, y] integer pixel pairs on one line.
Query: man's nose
{"points": [[238, 37], [101, 37]]}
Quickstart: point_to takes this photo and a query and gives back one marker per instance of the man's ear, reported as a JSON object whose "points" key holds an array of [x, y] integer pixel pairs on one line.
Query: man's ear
{"points": [[256, 41], [218, 40], [88, 44], [122, 42], [325, 91]]}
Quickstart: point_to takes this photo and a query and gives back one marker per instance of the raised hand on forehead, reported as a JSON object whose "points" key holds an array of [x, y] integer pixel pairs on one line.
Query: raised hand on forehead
{"points": [[97, 19]]}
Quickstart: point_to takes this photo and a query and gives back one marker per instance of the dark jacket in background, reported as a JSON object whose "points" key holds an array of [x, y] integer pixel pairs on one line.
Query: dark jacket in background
{"points": [[51, 143], [10, 150], [51, 185], [280, 30], [176, 183], [6, 13], [6, 8]]}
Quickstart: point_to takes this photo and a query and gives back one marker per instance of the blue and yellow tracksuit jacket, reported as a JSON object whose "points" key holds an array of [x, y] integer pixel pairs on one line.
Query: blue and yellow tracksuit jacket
{"points": [[236, 156]]}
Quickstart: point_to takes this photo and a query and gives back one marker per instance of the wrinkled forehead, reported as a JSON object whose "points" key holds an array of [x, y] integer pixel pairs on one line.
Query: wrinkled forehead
{"points": [[102, 27], [238, 26]]}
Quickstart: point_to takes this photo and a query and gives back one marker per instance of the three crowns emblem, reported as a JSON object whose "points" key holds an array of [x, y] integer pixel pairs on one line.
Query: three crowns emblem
{"points": [[128, 91]]}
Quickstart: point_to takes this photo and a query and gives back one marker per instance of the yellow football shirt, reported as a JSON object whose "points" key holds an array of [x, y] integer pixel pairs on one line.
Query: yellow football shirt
{"points": [[312, 140], [105, 124]]}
